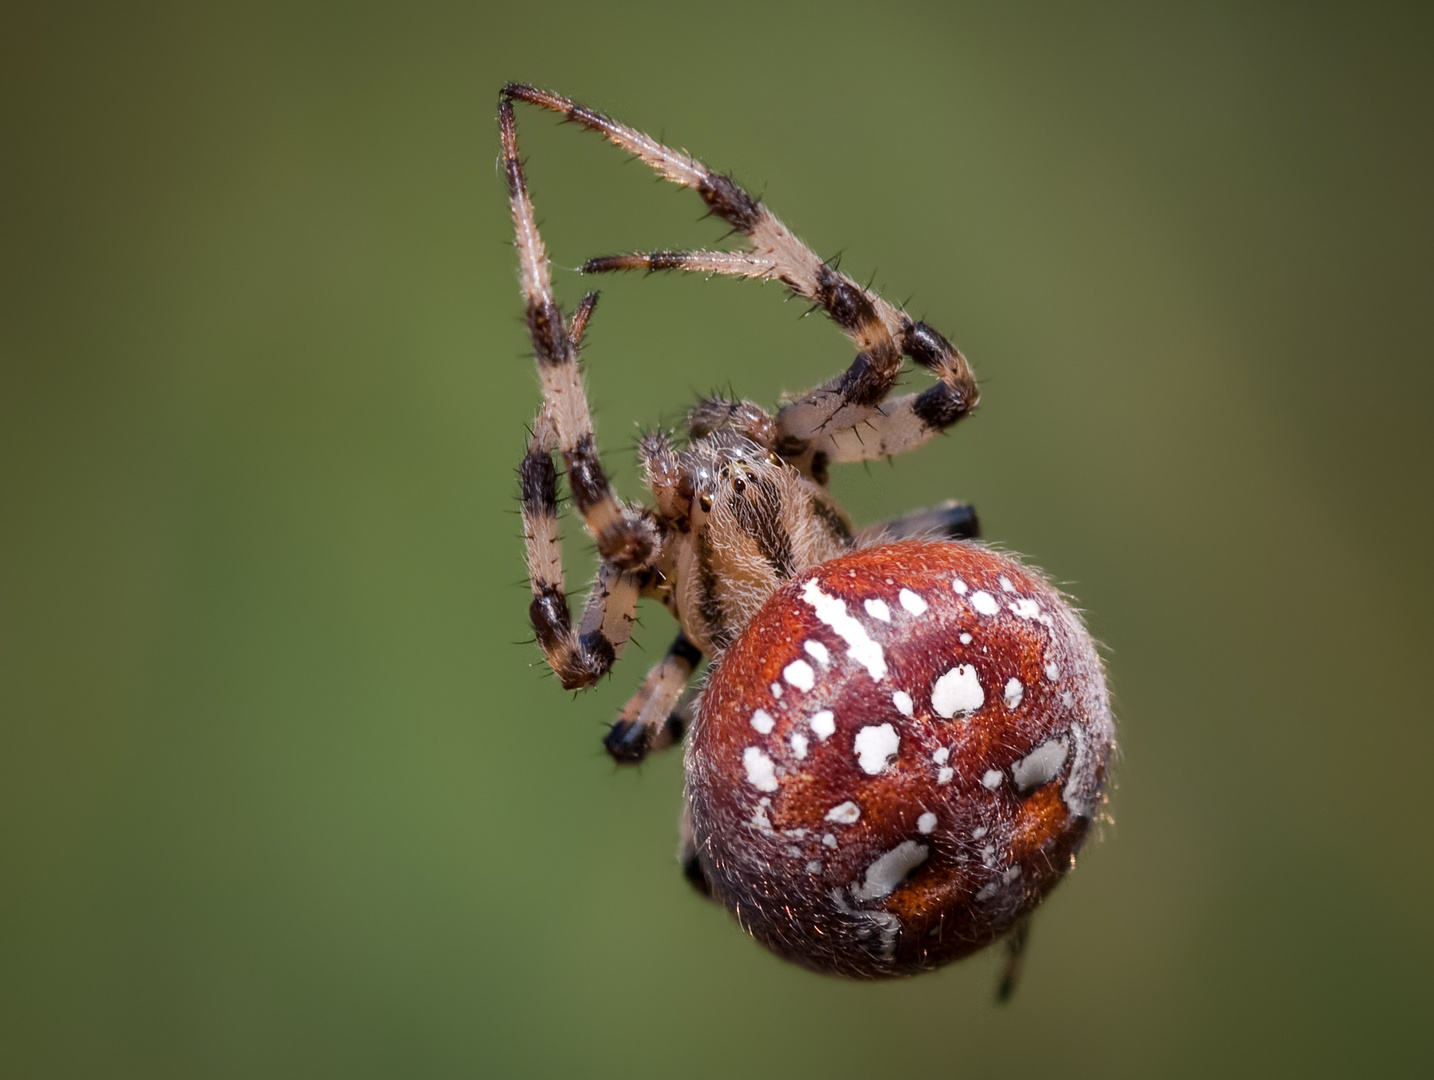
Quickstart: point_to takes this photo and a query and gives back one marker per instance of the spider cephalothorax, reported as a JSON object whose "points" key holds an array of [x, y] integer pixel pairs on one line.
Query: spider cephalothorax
{"points": [[903, 735]]}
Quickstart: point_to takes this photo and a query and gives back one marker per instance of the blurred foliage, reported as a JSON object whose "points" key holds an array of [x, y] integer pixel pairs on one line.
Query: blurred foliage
{"points": [[281, 795]]}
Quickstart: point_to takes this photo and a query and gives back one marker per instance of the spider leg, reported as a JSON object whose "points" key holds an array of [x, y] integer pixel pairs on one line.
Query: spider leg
{"points": [[731, 263], [949, 521], [648, 721], [1015, 946], [687, 855], [881, 331], [627, 537], [581, 656], [623, 536]]}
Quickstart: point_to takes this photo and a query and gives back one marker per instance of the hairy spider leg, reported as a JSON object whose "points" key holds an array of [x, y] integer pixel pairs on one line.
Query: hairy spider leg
{"points": [[626, 536], [1015, 950], [951, 520], [649, 721], [847, 418]]}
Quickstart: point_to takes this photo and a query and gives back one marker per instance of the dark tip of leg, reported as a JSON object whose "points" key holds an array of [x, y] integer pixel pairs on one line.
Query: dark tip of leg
{"points": [[963, 523], [627, 741], [1015, 954], [675, 728], [692, 871]]}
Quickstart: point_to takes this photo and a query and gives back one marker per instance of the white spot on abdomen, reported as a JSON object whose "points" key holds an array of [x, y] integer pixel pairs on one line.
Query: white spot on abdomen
{"points": [[912, 602], [799, 745], [817, 651], [904, 705], [984, 602], [823, 724], [926, 823], [800, 674], [1015, 690], [761, 773], [992, 779], [859, 646], [886, 873], [877, 609], [1040, 765], [762, 722], [1029, 609], [874, 745], [959, 587], [844, 813], [958, 691]]}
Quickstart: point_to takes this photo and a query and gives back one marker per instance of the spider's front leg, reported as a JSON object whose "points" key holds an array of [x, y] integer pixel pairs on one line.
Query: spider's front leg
{"points": [[847, 418], [581, 656], [627, 537], [649, 721]]}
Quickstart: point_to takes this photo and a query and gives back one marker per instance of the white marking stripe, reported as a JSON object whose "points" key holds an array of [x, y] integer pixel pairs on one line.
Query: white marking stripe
{"points": [[832, 611], [1040, 765], [886, 873]]}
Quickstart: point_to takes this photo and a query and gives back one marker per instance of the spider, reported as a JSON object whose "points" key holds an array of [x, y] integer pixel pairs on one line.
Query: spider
{"points": [[903, 734]]}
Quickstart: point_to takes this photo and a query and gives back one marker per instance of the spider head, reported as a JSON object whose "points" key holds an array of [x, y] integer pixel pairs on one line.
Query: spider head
{"points": [[733, 476]]}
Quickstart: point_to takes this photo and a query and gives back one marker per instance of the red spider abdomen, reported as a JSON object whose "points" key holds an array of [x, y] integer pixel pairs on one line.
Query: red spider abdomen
{"points": [[898, 758]]}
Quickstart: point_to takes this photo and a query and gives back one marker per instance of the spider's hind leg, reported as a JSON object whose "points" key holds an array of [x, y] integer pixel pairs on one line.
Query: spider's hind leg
{"points": [[687, 856], [1015, 950], [950, 521]]}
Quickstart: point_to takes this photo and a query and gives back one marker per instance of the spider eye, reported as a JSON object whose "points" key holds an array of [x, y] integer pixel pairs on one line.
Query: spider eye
{"points": [[706, 503], [739, 485]]}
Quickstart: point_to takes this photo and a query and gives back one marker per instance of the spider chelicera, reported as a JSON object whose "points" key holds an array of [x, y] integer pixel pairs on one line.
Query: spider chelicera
{"points": [[903, 735]]}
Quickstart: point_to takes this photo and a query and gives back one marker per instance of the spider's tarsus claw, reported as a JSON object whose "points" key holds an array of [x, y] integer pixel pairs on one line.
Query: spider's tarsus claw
{"points": [[627, 742], [692, 871]]}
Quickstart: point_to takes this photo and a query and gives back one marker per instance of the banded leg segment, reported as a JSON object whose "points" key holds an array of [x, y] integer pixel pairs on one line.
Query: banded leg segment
{"points": [[578, 657], [880, 331], [622, 536], [649, 721]]}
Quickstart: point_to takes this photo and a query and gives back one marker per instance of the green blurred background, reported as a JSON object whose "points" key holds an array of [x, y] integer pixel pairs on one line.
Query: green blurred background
{"points": [[280, 792]]}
